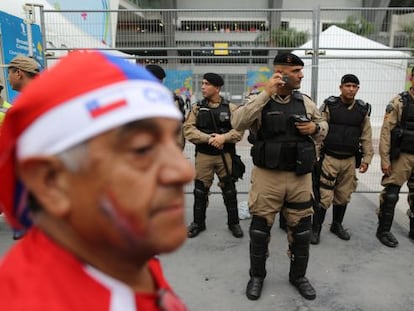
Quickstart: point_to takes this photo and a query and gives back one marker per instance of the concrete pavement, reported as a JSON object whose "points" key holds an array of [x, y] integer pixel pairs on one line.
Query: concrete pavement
{"points": [[210, 272]]}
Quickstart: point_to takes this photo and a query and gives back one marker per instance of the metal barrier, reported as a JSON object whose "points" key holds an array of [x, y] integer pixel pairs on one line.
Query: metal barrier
{"points": [[376, 44]]}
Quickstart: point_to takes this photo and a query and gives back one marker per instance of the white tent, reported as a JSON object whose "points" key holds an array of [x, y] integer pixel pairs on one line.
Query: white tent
{"points": [[381, 70]]}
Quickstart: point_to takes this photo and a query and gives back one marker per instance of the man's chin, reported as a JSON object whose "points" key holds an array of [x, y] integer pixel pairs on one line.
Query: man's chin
{"points": [[172, 241]]}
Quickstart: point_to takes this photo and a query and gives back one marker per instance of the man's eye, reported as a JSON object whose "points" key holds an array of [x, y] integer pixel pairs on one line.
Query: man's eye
{"points": [[143, 150]]}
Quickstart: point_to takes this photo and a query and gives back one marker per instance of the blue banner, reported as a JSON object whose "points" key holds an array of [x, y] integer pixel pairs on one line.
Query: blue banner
{"points": [[180, 82], [13, 34]]}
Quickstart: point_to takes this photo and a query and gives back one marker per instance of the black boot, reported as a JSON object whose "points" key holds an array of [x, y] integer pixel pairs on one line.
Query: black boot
{"points": [[259, 239], [318, 219], [194, 229], [410, 212], [282, 222], [230, 200], [389, 198], [411, 216], [338, 214], [299, 258], [199, 210]]}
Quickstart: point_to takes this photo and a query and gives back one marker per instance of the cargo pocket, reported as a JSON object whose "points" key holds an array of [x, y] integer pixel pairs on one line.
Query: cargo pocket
{"points": [[305, 157]]}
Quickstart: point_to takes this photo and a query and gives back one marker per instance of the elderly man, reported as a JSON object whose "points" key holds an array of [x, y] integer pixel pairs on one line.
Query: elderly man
{"points": [[93, 168]]}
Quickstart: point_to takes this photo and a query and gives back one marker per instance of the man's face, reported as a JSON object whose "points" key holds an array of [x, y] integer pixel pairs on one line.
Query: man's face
{"points": [[209, 90], [349, 90], [130, 196], [14, 77], [294, 75]]}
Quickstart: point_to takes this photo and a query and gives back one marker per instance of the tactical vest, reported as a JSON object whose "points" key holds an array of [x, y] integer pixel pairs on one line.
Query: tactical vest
{"points": [[278, 144], [407, 123], [214, 120], [344, 126]]}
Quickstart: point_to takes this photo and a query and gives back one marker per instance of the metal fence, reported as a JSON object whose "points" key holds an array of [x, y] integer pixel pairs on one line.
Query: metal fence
{"points": [[375, 44]]}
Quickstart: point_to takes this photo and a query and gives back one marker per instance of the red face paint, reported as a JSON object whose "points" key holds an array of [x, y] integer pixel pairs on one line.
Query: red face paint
{"points": [[130, 229]]}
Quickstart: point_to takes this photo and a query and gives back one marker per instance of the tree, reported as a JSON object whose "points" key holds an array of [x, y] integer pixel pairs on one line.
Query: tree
{"points": [[409, 30], [281, 37], [360, 26]]}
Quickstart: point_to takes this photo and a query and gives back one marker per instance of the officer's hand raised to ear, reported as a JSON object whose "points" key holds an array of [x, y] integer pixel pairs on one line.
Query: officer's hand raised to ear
{"points": [[274, 83]]}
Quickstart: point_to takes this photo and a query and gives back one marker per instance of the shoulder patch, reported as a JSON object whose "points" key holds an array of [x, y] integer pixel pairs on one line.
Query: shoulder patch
{"points": [[364, 105], [389, 108], [361, 102], [331, 100], [298, 95]]}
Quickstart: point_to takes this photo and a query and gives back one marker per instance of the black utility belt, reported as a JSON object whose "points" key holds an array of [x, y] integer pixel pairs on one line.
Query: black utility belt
{"points": [[338, 156], [285, 169]]}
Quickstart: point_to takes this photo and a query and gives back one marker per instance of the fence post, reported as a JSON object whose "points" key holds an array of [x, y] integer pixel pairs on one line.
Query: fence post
{"points": [[28, 8], [316, 13]]}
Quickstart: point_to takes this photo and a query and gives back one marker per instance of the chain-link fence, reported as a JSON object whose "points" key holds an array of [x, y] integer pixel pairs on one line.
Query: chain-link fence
{"points": [[375, 44]]}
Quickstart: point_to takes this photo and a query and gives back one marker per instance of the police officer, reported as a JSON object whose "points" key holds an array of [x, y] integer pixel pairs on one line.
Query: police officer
{"points": [[208, 127], [159, 73], [349, 132], [285, 122], [396, 150]]}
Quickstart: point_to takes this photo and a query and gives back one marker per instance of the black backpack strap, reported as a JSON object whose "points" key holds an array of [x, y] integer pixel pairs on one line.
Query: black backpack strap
{"points": [[405, 99]]}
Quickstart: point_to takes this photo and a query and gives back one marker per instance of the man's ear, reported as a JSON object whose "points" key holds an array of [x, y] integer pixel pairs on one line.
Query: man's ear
{"points": [[46, 179]]}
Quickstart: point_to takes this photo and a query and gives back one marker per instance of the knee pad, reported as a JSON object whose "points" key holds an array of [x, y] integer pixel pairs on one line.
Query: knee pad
{"points": [[229, 191], [410, 199], [259, 230], [199, 189], [200, 194], [228, 185], [302, 232], [391, 196]]}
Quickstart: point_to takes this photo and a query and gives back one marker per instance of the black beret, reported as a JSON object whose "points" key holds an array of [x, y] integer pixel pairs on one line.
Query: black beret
{"points": [[288, 59], [213, 79], [157, 71], [349, 78]]}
